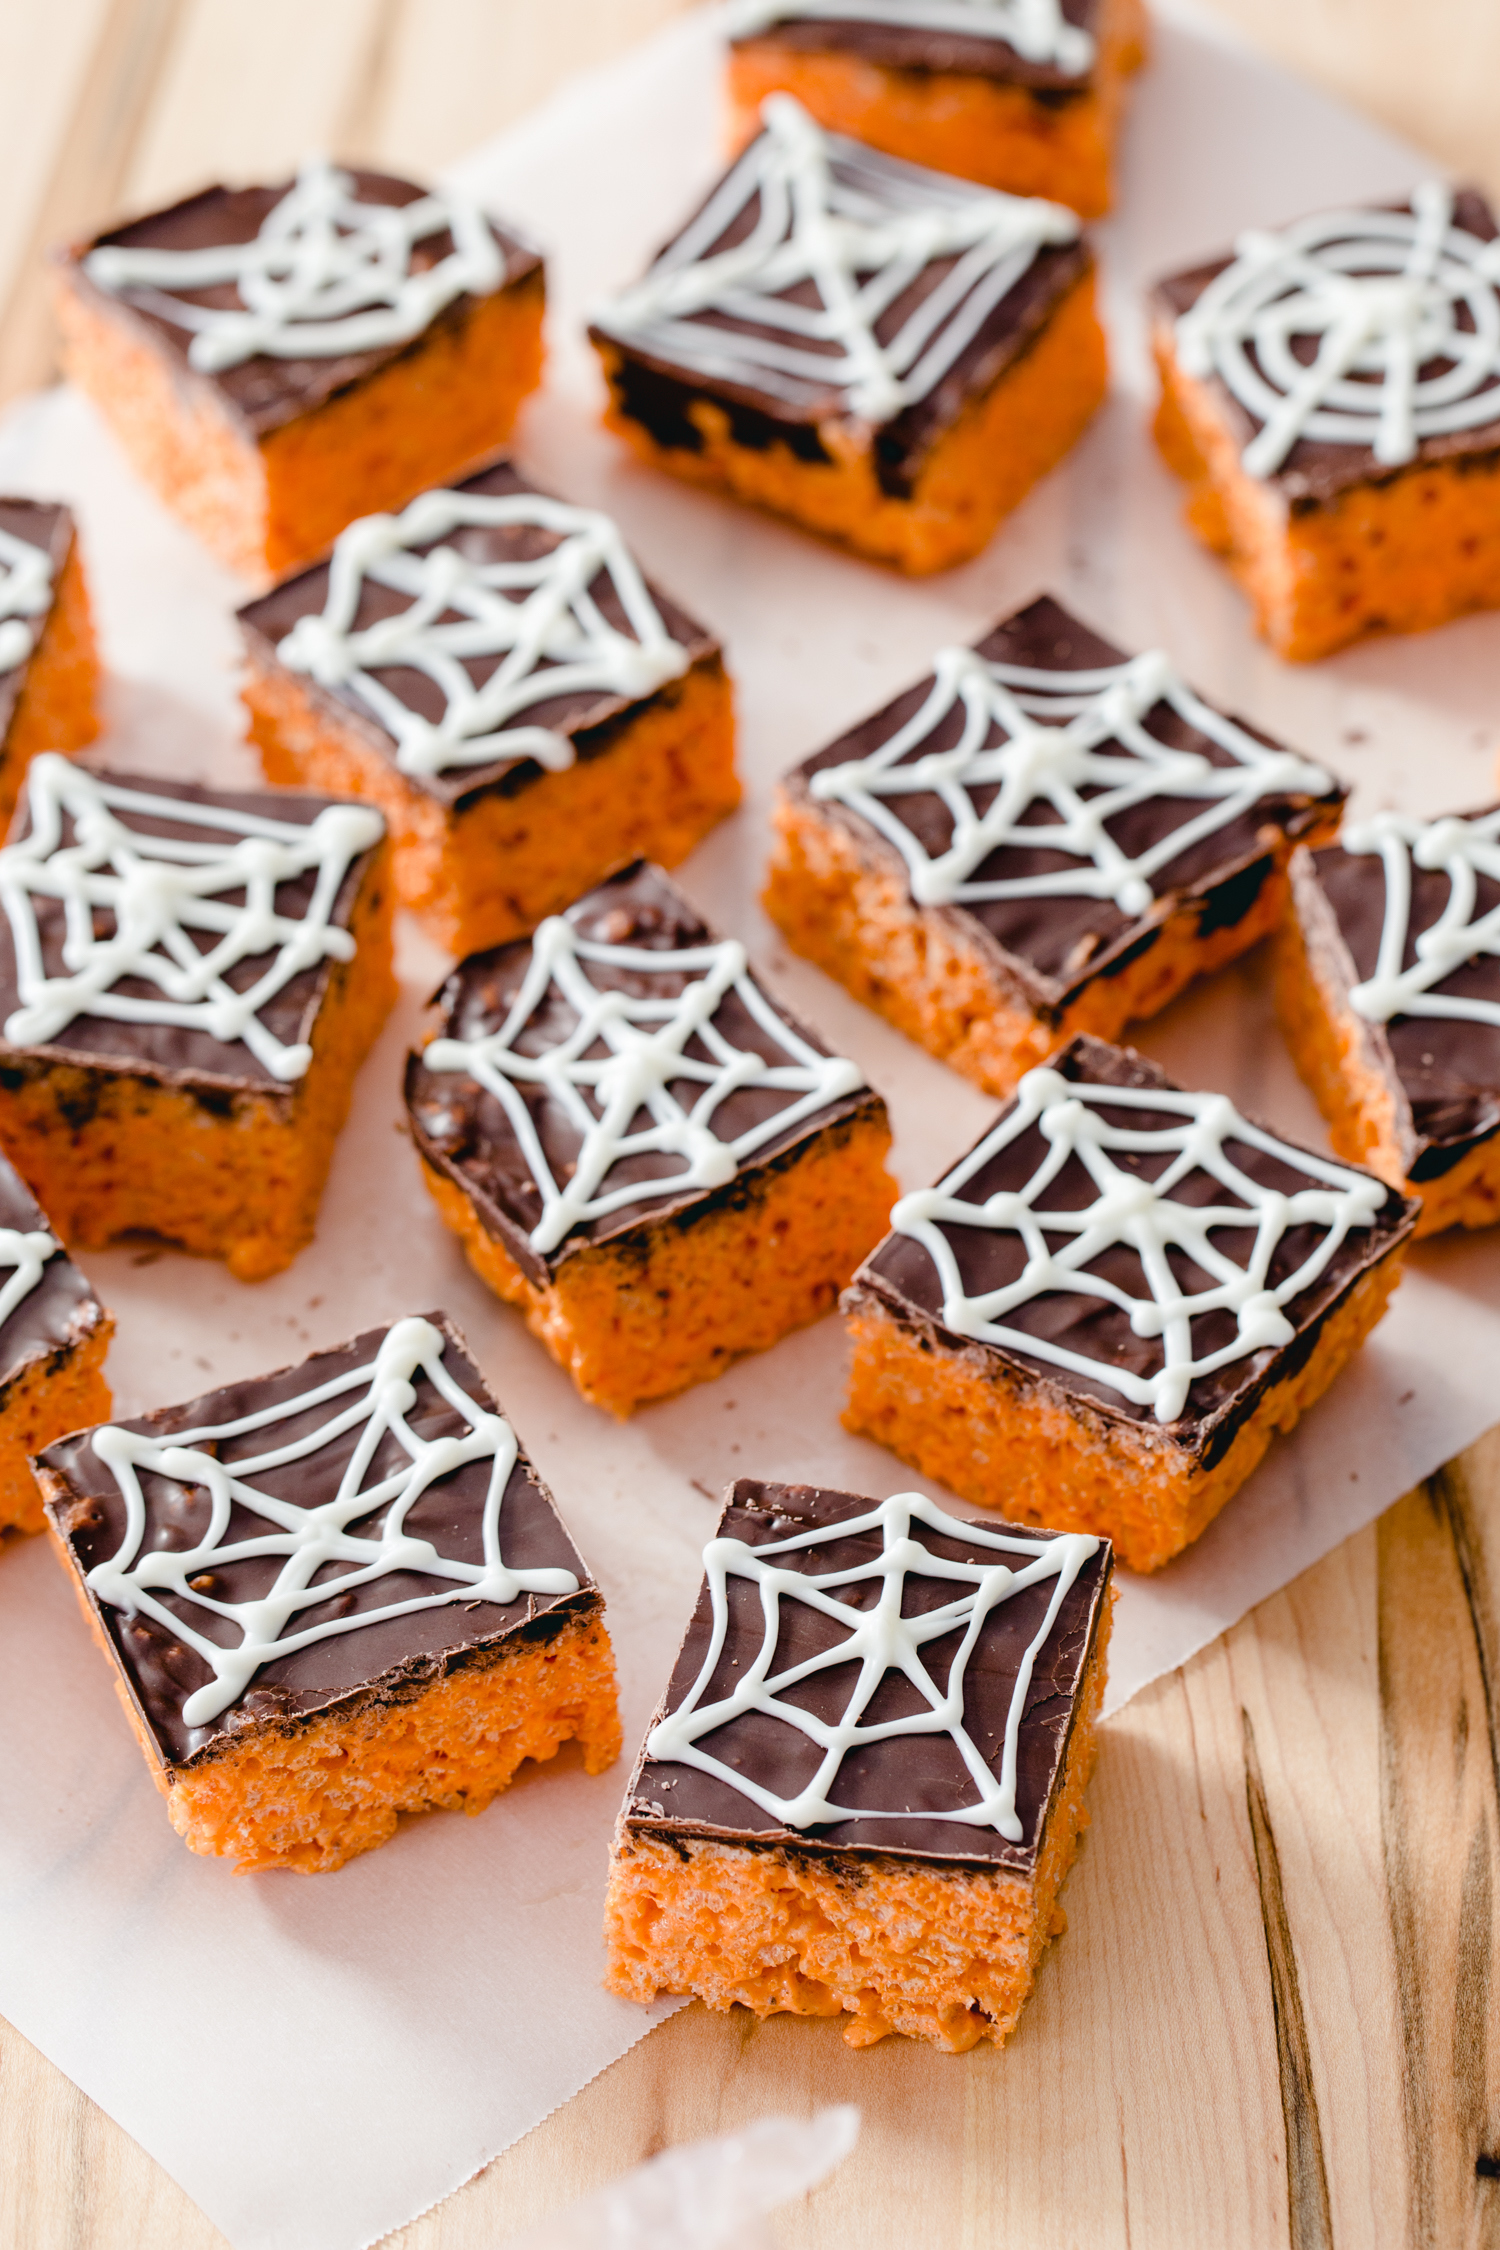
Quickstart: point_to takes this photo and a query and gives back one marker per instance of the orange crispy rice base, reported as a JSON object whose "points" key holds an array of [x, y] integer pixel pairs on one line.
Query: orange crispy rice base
{"points": [[944, 1954], [489, 871], [231, 1175], [859, 923], [266, 505], [64, 1390], [674, 1301], [1417, 547], [957, 121], [1330, 1045], [56, 708], [980, 468], [1018, 1443]]}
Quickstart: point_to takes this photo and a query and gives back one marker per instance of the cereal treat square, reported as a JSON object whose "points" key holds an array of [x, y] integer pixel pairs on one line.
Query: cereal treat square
{"points": [[279, 360], [864, 1787], [49, 673], [1104, 1313], [1025, 95], [333, 1595], [1331, 394], [640, 1147], [189, 980], [1388, 988], [54, 1334], [889, 356], [1042, 837], [492, 669]]}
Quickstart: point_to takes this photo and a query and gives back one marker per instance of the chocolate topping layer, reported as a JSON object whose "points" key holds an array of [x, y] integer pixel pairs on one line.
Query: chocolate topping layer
{"points": [[921, 1772], [591, 716], [182, 1054], [49, 525], [915, 47], [349, 1669], [463, 1132], [264, 392], [61, 1310], [1051, 948], [901, 1276], [1316, 470]]}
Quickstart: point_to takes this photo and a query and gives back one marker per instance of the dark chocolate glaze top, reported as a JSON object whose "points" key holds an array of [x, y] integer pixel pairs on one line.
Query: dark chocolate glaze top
{"points": [[900, 46], [1315, 469], [265, 392], [49, 525], [585, 714], [1446, 1071], [347, 1668], [182, 1053], [902, 1276], [61, 1310], [463, 1131], [1053, 946], [923, 1773]]}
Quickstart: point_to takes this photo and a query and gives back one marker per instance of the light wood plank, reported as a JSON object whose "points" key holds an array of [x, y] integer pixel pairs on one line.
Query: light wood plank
{"points": [[44, 58]]}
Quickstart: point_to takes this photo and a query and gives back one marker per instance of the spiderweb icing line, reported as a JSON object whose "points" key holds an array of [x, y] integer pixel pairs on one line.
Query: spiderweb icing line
{"points": [[1037, 30], [880, 1640], [326, 274], [26, 1253], [1463, 850], [158, 891], [1140, 1215], [862, 229], [1380, 290], [1091, 736], [645, 1041], [375, 1401], [554, 640], [25, 591]]}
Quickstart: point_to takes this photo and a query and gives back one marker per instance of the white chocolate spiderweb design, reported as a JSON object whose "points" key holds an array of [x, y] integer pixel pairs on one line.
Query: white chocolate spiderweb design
{"points": [[1381, 295], [645, 1069], [25, 1252], [1037, 30], [1075, 742], [1463, 851], [1141, 1215], [373, 1401], [25, 592], [157, 893], [327, 274], [540, 615], [879, 1640], [861, 229]]}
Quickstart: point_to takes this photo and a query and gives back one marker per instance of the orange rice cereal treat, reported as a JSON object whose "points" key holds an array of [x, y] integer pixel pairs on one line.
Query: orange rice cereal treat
{"points": [[49, 673], [279, 360], [333, 1595], [54, 1334], [189, 980], [640, 1148], [1025, 95], [1042, 837], [889, 356], [865, 1785], [1331, 393], [492, 669], [1388, 988], [1103, 1314]]}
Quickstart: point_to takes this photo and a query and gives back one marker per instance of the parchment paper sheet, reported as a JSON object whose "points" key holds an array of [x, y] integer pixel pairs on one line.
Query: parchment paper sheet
{"points": [[318, 2061]]}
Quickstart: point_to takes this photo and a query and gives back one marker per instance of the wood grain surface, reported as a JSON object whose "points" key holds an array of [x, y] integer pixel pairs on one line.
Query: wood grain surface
{"points": [[1273, 2020]]}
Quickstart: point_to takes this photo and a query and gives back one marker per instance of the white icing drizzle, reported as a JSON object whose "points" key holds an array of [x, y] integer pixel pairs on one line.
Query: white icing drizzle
{"points": [[879, 1640], [373, 1401], [327, 274], [1064, 733], [26, 1253], [1463, 850], [157, 892], [1141, 1215], [861, 228], [553, 637], [1380, 292], [1036, 29], [645, 1042], [25, 592]]}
